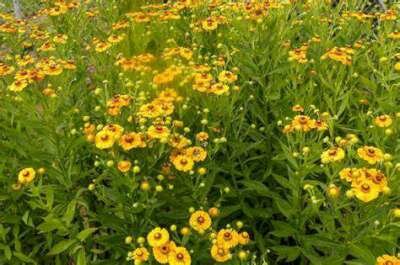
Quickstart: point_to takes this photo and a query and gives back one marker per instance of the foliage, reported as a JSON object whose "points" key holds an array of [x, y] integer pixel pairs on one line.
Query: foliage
{"points": [[275, 119]]}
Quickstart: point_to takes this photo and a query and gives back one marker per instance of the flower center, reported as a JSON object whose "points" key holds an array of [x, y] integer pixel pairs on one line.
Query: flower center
{"points": [[157, 235], [227, 235], [165, 249], [200, 220], [332, 152], [365, 188], [221, 251], [370, 152]]}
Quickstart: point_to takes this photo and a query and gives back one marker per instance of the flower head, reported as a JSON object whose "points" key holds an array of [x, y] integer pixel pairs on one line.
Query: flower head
{"points": [[104, 139], [370, 154], [158, 237], [179, 256], [26, 175], [200, 221]]}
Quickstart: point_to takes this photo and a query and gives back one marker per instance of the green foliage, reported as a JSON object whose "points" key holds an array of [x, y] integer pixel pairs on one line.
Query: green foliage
{"points": [[82, 208]]}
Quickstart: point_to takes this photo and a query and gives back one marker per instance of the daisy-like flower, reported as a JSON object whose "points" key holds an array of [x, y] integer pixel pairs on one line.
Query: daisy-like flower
{"points": [[183, 163], [26, 175], [158, 237], [334, 154], [132, 140], [158, 132], [244, 238], [140, 254], [227, 238], [383, 121], [220, 254], [124, 166], [104, 139], [200, 221], [179, 256], [370, 154], [161, 253], [387, 260]]}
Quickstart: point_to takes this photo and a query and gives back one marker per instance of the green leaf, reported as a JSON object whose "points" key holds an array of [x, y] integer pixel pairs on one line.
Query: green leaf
{"points": [[258, 187], [61, 246], [85, 233], [283, 229], [24, 258], [363, 253], [70, 212], [7, 251], [81, 257], [50, 198], [284, 207], [286, 252], [51, 225]]}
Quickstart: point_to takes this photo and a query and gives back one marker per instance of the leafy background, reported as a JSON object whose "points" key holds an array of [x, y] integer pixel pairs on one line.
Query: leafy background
{"points": [[59, 221]]}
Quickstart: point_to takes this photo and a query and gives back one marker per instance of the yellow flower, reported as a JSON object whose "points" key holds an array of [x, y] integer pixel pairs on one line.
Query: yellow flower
{"points": [[124, 166], [104, 139], [150, 110], [383, 121], [397, 66], [60, 38], [341, 54], [140, 254], [352, 138], [302, 123], [377, 178], [102, 46], [213, 211], [178, 141], [22, 74], [183, 163], [202, 136], [370, 154], [161, 253], [394, 35], [26, 175], [320, 125], [132, 140], [349, 174], [115, 38], [200, 221], [158, 237], [219, 88], [227, 77], [220, 254], [196, 153], [179, 256], [334, 154], [53, 69], [387, 260], [158, 132], [6, 69], [244, 238], [209, 24], [115, 129], [18, 85], [298, 108], [366, 191], [333, 191], [228, 238]]}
